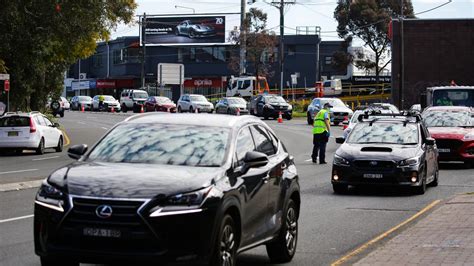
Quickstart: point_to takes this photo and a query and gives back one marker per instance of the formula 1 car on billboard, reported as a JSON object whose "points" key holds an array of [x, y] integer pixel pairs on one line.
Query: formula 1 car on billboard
{"points": [[194, 30]]}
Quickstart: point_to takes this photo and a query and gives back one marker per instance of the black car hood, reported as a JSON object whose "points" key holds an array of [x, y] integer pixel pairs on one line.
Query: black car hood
{"points": [[378, 151], [126, 180]]}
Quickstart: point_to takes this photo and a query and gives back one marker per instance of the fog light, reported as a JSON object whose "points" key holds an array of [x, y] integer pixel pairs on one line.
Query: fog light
{"points": [[335, 177], [414, 177]]}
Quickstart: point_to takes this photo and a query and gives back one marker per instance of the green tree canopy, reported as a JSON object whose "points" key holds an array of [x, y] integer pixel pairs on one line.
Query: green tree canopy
{"points": [[41, 39], [368, 20]]}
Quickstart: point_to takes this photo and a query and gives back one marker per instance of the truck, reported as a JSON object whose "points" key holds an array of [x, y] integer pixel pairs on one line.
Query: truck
{"points": [[245, 86], [448, 95]]}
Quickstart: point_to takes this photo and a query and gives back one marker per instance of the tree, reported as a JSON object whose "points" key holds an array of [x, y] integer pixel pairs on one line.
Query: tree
{"points": [[368, 20], [260, 44], [41, 39]]}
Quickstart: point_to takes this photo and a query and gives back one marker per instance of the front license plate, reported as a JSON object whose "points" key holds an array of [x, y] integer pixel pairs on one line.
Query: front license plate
{"points": [[444, 150], [373, 176], [99, 232], [13, 133]]}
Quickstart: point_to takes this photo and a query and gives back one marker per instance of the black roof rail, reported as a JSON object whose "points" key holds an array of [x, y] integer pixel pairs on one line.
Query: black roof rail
{"points": [[367, 114]]}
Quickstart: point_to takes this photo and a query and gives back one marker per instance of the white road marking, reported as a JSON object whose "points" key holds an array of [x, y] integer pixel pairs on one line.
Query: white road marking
{"points": [[16, 218], [82, 123], [309, 160], [47, 158], [105, 128], [18, 171]]}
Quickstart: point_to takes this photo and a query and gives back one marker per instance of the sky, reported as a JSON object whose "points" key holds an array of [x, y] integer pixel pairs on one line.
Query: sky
{"points": [[302, 13]]}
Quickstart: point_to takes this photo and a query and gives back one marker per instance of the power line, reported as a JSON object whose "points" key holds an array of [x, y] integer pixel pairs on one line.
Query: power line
{"points": [[434, 8]]}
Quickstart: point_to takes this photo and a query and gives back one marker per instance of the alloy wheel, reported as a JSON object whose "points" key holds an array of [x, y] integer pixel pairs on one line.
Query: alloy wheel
{"points": [[227, 245], [291, 229]]}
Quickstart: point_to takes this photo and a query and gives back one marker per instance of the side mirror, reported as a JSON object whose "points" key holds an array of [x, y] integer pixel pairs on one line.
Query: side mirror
{"points": [[76, 151], [56, 125], [340, 140], [430, 141], [254, 159]]}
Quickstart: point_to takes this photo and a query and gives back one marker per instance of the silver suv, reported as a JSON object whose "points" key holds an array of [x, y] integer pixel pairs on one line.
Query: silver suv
{"points": [[194, 102], [132, 100]]}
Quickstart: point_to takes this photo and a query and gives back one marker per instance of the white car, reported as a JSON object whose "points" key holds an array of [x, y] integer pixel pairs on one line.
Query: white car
{"points": [[109, 103], [65, 103], [194, 102], [29, 131], [133, 100], [338, 113]]}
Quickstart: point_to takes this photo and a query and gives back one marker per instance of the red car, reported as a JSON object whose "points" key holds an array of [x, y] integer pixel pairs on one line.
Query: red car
{"points": [[160, 104], [453, 129]]}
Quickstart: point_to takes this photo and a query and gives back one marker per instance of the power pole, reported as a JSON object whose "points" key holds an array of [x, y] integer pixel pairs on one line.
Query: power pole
{"points": [[243, 36], [402, 54], [143, 50], [281, 7]]}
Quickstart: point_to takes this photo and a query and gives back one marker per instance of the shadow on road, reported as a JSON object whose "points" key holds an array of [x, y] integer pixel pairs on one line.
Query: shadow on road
{"points": [[452, 166]]}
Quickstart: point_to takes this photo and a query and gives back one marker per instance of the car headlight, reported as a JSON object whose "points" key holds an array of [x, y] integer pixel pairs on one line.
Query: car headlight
{"points": [[50, 197], [410, 161], [186, 203], [290, 107], [340, 161], [469, 136]]}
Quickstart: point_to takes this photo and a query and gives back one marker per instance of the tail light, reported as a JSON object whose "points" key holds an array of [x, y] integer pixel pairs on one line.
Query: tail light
{"points": [[32, 125]]}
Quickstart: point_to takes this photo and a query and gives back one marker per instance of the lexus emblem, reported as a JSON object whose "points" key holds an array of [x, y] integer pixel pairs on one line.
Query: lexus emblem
{"points": [[103, 211], [373, 163]]}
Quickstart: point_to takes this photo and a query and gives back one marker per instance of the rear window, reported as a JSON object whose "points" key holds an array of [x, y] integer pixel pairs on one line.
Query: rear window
{"points": [[15, 121]]}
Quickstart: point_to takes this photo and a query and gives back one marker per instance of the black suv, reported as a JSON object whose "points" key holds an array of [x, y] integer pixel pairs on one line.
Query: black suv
{"points": [[270, 106], [200, 188], [386, 149]]}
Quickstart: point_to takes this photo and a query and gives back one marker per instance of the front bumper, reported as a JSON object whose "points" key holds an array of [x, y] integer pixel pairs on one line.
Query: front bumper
{"points": [[172, 237], [398, 176], [276, 112], [455, 150]]}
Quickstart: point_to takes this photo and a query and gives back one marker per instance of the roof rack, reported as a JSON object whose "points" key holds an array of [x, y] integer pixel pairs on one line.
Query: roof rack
{"points": [[407, 114]]}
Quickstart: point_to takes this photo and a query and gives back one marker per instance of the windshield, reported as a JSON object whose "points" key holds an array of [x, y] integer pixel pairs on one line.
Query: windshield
{"points": [[163, 100], [140, 95], [453, 97], [447, 118], [333, 102], [85, 98], [275, 99], [236, 101], [388, 133], [198, 98], [163, 144]]}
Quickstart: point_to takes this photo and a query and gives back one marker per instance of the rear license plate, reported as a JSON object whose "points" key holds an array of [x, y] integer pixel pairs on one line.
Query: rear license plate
{"points": [[444, 150], [373, 176], [99, 232], [13, 133]]}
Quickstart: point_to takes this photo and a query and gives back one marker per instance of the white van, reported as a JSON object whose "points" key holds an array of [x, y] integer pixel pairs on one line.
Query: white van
{"points": [[332, 87], [245, 86], [132, 100]]}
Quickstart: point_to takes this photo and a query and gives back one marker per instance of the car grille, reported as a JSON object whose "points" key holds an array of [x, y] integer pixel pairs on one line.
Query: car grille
{"points": [[340, 114], [451, 144], [280, 107], [374, 165], [135, 234]]}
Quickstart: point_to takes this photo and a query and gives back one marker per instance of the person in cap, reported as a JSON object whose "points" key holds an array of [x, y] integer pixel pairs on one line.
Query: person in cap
{"points": [[321, 133]]}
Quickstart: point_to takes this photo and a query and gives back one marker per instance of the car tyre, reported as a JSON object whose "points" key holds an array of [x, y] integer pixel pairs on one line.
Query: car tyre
{"points": [[468, 164], [283, 248], [191, 34], [60, 146], [124, 108], [434, 183], [179, 109], [61, 114], [191, 110], [289, 117], [340, 188], [226, 244], [40, 149], [421, 189], [49, 261]]}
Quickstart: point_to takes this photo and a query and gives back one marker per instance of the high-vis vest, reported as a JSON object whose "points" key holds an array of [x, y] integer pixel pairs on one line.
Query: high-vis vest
{"points": [[319, 124]]}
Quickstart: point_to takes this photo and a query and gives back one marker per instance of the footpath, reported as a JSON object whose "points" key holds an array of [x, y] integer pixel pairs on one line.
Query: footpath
{"points": [[443, 237]]}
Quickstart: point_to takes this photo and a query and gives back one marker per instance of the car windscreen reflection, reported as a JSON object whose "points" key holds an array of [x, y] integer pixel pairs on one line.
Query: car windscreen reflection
{"points": [[163, 144], [447, 119]]}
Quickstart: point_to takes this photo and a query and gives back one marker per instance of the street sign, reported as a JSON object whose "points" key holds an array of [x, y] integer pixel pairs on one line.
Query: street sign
{"points": [[170, 74], [6, 85], [4, 76]]}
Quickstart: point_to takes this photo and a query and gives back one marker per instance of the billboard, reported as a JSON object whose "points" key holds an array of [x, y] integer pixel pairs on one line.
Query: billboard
{"points": [[185, 30]]}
